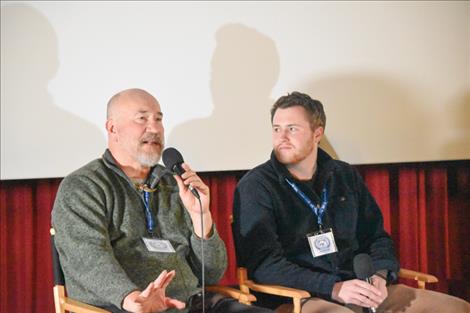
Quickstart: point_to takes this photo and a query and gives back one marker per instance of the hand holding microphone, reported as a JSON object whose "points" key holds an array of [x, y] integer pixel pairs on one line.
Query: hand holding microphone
{"points": [[359, 291], [196, 203], [192, 189], [173, 161], [364, 270]]}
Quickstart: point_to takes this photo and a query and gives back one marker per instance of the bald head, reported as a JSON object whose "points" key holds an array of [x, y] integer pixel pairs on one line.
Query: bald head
{"points": [[124, 96], [135, 128]]}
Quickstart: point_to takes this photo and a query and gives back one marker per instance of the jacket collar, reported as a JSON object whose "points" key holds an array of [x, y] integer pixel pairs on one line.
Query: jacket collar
{"points": [[325, 167], [156, 173]]}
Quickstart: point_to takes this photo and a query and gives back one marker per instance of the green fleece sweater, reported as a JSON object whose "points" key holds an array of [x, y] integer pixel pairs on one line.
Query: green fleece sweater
{"points": [[99, 219]]}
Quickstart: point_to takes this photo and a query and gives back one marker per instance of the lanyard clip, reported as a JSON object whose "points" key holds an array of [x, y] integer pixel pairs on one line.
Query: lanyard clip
{"points": [[144, 187]]}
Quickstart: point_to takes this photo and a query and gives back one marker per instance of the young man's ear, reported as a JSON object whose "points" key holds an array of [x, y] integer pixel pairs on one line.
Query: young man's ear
{"points": [[318, 134]]}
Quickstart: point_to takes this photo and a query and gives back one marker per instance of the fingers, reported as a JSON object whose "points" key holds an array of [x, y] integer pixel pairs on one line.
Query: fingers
{"points": [[364, 301], [370, 290], [144, 294], [191, 178], [156, 288], [158, 282], [179, 181], [367, 295], [380, 284], [173, 303], [164, 279], [183, 185], [357, 292]]}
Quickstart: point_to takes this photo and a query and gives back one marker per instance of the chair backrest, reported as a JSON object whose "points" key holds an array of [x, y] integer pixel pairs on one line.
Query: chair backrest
{"points": [[62, 303], [246, 285], [58, 273]]}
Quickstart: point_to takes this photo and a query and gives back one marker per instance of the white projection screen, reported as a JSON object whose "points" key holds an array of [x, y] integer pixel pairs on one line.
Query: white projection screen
{"points": [[394, 78]]}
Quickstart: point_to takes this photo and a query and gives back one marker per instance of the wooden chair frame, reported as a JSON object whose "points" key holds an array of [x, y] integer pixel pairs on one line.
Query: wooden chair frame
{"points": [[297, 294], [63, 303]]}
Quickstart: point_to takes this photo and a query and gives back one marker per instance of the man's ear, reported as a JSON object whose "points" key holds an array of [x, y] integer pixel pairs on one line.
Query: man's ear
{"points": [[318, 134], [110, 126]]}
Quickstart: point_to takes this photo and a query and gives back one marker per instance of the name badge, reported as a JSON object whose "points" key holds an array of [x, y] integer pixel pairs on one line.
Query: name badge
{"points": [[158, 245], [322, 242]]}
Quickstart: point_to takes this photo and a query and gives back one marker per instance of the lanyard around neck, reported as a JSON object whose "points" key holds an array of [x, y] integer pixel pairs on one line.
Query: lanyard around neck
{"points": [[150, 222], [320, 209]]}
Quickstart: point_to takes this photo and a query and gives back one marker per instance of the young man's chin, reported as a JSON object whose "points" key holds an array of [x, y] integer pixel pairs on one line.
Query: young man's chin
{"points": [[284, 157]]}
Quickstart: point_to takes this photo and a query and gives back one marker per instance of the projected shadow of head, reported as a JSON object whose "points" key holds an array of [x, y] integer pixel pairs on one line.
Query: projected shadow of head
{"points": [[459, 145], [38, 134], [244, 69], [370, 117]]}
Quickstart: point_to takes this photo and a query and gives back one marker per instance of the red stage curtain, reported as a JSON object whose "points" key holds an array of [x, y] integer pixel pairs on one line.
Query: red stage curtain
{"points": [[26, 272], [426, 209]]}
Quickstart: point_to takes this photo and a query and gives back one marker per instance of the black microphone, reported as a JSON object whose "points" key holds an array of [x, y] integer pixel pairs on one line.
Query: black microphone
{"points": [[173, 160], [364, 270]]}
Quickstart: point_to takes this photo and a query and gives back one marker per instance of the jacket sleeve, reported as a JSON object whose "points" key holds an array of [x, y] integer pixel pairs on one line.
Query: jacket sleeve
{"points": [[79, 218], [258, 247], [373, 238]]}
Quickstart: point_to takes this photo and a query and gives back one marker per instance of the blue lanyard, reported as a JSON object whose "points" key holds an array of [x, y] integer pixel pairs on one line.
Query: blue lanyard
{"points": [[318, 210], [148, 212]]}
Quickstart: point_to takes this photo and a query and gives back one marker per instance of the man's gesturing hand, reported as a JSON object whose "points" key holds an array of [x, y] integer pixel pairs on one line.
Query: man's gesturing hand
{"points": [[153, 298]]}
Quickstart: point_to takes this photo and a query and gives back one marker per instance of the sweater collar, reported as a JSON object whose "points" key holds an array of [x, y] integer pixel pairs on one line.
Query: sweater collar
{"points": [[156, 173]]}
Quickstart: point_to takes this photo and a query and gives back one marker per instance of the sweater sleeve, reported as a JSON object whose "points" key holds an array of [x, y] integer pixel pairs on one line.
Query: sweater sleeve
{"points": [[258, 247], [79, 218], [215, 257]]}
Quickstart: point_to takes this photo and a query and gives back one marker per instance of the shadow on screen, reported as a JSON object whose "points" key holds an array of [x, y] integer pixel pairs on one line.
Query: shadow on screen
{"points": [[371, 117], [237, 135], [41, 139], [459, 144]]}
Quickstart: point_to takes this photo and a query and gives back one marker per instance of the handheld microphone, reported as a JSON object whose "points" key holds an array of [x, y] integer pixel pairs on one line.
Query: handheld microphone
{"points": [[173, 160], [364, 270]]}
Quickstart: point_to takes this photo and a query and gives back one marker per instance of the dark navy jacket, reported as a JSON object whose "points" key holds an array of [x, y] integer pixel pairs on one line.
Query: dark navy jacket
{"points": [[271, 223]]}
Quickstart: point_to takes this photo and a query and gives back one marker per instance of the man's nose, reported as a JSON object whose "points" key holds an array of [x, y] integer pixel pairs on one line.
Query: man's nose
{"points": [[154, 126], [283, 134]]}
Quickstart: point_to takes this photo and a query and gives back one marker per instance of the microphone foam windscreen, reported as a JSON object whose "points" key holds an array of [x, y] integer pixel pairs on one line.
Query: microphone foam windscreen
{"points": [[171, 157], [363, 267]]}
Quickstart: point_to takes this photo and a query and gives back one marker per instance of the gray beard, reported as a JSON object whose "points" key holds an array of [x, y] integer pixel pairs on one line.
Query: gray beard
{"points": [[148, 160]]}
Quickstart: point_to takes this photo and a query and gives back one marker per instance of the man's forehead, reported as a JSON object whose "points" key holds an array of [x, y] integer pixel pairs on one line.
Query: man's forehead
{"points": [[290, 114], [140, 104], [146, 111]]}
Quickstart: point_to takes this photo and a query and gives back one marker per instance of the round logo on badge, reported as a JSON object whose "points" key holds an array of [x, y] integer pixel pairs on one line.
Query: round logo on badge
{"points": [[322, 243]]}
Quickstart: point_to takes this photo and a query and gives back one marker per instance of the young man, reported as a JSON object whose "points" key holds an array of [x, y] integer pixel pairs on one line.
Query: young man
{"points": [[302, 217], [128, 232]]}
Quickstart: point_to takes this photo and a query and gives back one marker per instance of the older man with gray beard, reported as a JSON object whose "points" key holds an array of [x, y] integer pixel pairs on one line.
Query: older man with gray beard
{"points": [[128, 232]]}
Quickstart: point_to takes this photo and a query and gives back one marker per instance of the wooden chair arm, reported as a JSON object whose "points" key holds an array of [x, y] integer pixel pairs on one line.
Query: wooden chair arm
{"points": [[421, 278], [63, 303], [277, 290], [241, 296], [296, 294], [80, 307], [246, 285]]}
